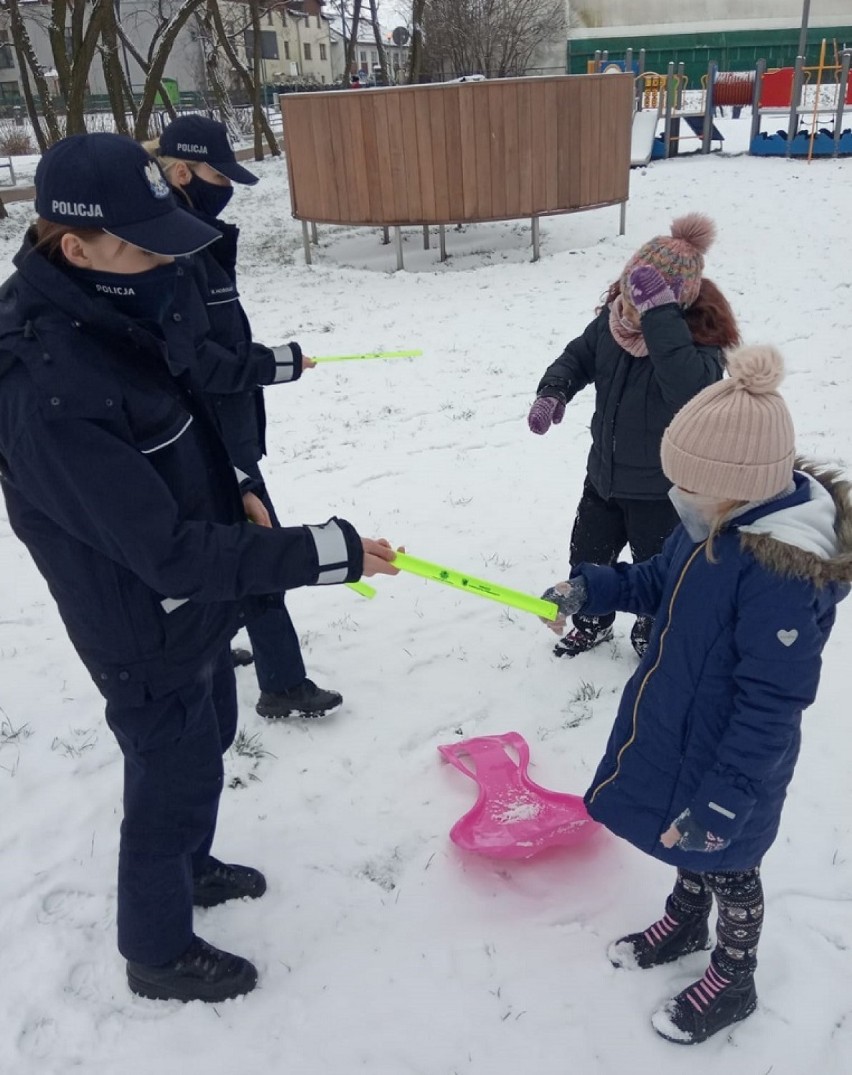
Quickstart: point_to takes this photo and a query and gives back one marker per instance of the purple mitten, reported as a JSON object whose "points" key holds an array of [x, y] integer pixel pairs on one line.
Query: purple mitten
{"points": [[545, 410], [647, 288]]}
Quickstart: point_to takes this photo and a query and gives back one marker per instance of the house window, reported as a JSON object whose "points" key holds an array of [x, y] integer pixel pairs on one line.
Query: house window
{"points": [[269, 18], [364, 58], [6, 57], [323, 55], [374, 58], [307, 51], [286, 50], [268, 44]]}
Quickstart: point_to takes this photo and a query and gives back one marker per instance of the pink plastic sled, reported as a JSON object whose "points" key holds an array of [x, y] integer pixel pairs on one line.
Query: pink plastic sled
{"points": [[513, 817]]}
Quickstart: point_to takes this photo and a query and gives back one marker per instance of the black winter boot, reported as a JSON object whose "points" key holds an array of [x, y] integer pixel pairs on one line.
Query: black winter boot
{"points": [[241, 657], [201, 973], [640, 634], [663, 942], [705, 1007], [304, 700], [583, 636], [221, 882]]}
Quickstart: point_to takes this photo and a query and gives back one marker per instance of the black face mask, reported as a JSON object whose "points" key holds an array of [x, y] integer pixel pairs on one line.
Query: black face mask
{"points": [[208, 198], [143, 296]]}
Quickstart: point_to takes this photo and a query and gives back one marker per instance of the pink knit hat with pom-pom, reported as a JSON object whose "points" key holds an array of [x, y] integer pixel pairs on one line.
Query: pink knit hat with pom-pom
{"points": [[679, 256], [735, 439]]}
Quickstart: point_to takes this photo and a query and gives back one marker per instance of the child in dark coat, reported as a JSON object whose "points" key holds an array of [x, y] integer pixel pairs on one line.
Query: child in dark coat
{"points": [[708, 730], [656, 342]]}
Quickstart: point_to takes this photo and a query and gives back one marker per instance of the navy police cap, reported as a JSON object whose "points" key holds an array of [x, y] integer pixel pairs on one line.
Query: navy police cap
{"points": [[197, 138], [108, 181]]}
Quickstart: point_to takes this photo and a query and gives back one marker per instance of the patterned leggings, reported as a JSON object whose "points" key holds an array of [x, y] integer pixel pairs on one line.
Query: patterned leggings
{"points": [[739, 896]]}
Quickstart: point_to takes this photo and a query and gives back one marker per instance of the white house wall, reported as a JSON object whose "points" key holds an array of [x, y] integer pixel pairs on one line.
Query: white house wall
{"points": [[620, 17]]}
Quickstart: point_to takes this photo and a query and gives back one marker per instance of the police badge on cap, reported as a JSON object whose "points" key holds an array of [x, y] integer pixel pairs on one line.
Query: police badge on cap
{"points": [[156, 180]]}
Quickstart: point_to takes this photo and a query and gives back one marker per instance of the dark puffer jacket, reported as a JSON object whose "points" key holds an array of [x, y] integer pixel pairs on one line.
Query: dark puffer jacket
{"points": [[711, 719], [237, 409], [635, 398], [117, 483]]}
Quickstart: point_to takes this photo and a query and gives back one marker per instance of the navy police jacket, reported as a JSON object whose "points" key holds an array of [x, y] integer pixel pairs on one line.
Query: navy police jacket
{"points": [[237, 409], [635, 398], [711, 719], [117, 483]]}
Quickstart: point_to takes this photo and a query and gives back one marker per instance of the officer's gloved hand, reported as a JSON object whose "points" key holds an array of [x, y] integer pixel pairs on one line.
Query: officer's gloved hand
{"points": [[545, 410], [569, 597]]}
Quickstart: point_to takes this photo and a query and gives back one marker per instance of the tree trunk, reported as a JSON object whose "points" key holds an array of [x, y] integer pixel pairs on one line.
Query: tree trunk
{"points": [[3, 212], [81, 65], [154, 81], [221, 97], [243, 74], [257, 80], [415, 57], [113, 74], [380, 45], [353, 39], [146, 67], [27, 61]]}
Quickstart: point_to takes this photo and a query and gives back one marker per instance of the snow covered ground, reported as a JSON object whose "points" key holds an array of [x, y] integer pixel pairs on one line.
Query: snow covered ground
{"points": [[382, 949]]}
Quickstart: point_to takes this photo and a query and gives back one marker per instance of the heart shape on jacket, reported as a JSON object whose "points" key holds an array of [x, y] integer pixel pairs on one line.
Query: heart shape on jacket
{"points": [[787, 638]]}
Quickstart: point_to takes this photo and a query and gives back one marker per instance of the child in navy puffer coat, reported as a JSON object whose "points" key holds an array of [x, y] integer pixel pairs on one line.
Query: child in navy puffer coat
{"points": [[708, 730]]}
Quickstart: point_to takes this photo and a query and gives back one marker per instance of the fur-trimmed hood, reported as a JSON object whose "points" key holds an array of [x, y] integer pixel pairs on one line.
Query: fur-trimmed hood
{"points": [[810, 539]]}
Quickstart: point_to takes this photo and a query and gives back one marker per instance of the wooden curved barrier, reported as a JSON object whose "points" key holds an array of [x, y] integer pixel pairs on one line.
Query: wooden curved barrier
{"points": [[459, 152]]}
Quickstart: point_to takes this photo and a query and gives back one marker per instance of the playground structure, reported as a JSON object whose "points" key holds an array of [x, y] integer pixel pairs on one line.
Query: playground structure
{"points": [[457, 153], [782, 92], [664, 98]]}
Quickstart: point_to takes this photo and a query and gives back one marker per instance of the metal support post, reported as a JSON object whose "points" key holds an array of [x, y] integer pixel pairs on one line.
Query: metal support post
{"points": [[306, 243]]}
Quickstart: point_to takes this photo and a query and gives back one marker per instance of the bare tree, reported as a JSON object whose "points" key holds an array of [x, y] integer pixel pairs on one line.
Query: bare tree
{"points": [[380, 45], [158, 52], [495, 38], [251, 84], [28, 65], [415, 55]]}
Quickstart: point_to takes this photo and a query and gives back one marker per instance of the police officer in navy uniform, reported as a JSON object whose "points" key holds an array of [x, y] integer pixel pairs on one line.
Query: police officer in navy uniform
{"points": [[119, 486], [199, 163]]}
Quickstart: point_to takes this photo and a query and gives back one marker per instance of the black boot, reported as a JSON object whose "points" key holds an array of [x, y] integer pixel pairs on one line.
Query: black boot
{"points": [[640, 634], [304, 700], [706, 1007], [221, 882], [587, 632], [201, 973], [663, 942], [241, 657]]}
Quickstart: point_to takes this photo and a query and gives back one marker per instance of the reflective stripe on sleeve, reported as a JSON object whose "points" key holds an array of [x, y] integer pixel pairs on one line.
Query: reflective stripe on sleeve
{"points": [[332, 555]]}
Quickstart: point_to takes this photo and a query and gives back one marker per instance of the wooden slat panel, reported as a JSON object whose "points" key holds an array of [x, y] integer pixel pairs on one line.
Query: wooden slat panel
{"points": [[511, 165], [455, 177], [537, 127], [453, 152], [549, 147], [498, 98], [410, 161], [424, 154], [482, 140], [358, 169], [394, 163], [467, 130], [526, 150], [439, 155]]}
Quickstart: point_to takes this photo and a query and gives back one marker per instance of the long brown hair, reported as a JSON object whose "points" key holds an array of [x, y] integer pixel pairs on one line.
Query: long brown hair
{"points": [[710, 318], [49, 238], [726, 510]]}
